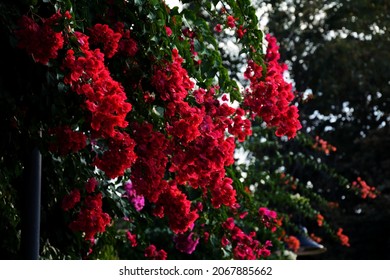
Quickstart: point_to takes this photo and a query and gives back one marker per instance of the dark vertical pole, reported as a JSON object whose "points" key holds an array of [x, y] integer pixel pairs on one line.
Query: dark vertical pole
{"points": [[31, 218]]}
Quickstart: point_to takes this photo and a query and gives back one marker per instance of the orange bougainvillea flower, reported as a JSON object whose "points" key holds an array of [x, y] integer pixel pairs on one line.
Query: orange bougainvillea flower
{"points": [[343, 238], [365, 190], [320, 220], [315, 238], [292, 243]]}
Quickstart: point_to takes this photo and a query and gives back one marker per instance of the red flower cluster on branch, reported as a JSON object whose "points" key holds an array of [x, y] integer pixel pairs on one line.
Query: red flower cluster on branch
{"points": [[102, 34], [127, 45], [91, 219], [65, 140], [245, 247], [105, 99], [70, 200], [151, 252], [188, 147], [365, 190], [147, 174], [132, 239], [269, 97], [171, 80], [40, 40], [174, 205], [324, 146]]}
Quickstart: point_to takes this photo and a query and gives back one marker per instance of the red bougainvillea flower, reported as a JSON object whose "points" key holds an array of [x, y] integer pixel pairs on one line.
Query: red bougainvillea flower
{"points": [[231, 22], [127, 45], [241, 127], [171, 81], [40, 40], [240, 32], [151, 252], [103, 35], [91, 185], [119, 156], [147, 174], [224, 241], [132, 239], [269, 97], [177, 208], [105, 98], [91, 219], [71, 199], [218, 28], [245, 247], [64, 140]]}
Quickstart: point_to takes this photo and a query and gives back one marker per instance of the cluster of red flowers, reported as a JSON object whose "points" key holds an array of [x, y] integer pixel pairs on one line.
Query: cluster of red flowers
{"points": [[87, 75], [151, 252], [324, 146], [364, 189], [90, 219], [105, 99], [40, 41], [190, 149], [245, 246], [174, 204], [191, 35], [148, 179], [65, 140], [70, 200], [201, 162], [127, 45], [102, 34], [196, 146], [118, 157], [231, 23], [147, 174], [269, 97], [171, 81]]}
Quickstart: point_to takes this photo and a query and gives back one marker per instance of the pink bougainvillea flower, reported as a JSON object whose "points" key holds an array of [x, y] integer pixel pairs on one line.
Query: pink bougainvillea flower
{"points": [[168, 30], [186, 243]]}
